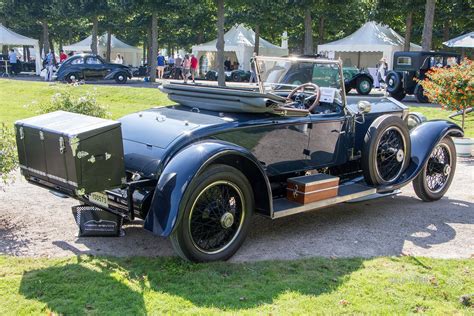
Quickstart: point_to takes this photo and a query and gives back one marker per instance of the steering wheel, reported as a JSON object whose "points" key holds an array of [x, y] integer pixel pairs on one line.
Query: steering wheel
{"points": [[316, 94]]}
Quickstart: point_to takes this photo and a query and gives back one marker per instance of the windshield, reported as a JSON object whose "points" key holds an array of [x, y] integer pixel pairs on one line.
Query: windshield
{"points": [[277, 74]]}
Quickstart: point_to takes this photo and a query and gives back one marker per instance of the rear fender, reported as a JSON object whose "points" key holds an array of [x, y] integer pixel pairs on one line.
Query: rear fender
{"points": [[423, 139], [171, 192]]}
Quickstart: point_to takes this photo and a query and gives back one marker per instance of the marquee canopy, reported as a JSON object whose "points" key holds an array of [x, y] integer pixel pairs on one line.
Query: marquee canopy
{"points": [[241, 40], [8, 37], [371, 42], [132, 55]]}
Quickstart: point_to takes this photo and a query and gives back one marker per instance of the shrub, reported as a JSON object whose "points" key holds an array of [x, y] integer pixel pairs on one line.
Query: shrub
{"points": [[8, 153], [64, 100], [451, 87]]}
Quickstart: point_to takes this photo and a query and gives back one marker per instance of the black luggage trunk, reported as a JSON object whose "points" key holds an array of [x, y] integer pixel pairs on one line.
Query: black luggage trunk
{"points": [[75, 153]]}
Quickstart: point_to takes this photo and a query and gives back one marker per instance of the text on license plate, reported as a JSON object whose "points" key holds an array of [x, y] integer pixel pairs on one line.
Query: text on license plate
{"points": [[99, 198]]}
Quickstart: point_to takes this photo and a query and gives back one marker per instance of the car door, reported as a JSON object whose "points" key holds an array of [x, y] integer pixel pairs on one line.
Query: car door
{"points": [[94, 68], [327, 132]]}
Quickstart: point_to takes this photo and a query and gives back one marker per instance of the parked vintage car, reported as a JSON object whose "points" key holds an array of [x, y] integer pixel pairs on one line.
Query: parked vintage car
{"points": [[234, 75], [92, 67], [357, 79], [197, 171], [408, 67], [353, 77]]}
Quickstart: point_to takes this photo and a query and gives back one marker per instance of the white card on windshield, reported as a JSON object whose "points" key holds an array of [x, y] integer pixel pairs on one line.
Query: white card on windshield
{"points": [[327, 94]]}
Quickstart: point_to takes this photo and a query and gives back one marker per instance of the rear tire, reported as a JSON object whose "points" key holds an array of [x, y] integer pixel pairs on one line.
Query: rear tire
{"points": [[72, 77], [364, 86], [216, 217], [386, 150], [436, 176], [420, 94]]}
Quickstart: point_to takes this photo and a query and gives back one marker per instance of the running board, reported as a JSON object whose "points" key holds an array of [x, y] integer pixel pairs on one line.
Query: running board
{"points": [[283, 207]]}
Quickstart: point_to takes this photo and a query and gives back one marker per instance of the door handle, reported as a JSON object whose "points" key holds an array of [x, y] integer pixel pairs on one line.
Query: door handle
{"points": [[337, 131]]}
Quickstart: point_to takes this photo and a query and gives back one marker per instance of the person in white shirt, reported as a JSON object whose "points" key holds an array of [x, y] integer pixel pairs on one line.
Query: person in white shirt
{"points": [[12, 58], [118, 59]]}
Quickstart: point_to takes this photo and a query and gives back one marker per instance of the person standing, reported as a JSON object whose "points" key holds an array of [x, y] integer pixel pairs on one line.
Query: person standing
{"points": [[227, 64], [118, 59], [13, 59], [253, 71], [62, 56], [179, 67], [171, 61], [160, 65], [186, 67], [194, 67], [50, 62], [382, 71]]}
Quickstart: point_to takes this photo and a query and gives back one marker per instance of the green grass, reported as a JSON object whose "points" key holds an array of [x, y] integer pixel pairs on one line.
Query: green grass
{"points": [[17, 98], [134, 286], [437, 113]]}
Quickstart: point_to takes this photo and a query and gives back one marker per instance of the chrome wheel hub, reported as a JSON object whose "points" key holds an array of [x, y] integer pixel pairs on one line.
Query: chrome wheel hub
{"points": [[400, 155], [120, 77], [227, 220], [447, 170]]}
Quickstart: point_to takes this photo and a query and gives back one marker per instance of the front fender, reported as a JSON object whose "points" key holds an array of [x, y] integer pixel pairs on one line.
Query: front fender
{"points": [[171, 191], [423, 139]]}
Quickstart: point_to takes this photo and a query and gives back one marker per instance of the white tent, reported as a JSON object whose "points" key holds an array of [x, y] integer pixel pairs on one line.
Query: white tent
{"points": [[132, 55], [365, 47], [239, 43], [466, 40], [8, 37]]}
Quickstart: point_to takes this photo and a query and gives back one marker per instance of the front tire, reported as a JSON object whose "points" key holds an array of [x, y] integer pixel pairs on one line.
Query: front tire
{"points": [[72, 77], [434, 180], [216, 216], [386, 150], [121, 78]]}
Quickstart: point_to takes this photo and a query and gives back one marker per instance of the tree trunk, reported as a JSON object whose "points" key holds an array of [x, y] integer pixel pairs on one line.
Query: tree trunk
{"points": [[426, 38], [220, 43], [154, 46], [44, 24], [144, 51], [308, 33], [257, 39], [148, 56], [109, 45], [446, 30], [408, 28], [95, 27], [321, 30]]}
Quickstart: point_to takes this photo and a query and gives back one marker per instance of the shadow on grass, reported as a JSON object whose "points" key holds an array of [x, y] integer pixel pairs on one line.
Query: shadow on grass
{"points": [[117, 285]]}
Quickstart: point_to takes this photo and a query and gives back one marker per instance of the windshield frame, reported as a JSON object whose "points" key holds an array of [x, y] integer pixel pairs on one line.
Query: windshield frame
{"points": [[338, 63]]}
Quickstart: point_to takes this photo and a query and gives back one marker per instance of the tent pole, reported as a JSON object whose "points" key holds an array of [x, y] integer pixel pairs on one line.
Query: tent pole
{"points": [[358, 60]]}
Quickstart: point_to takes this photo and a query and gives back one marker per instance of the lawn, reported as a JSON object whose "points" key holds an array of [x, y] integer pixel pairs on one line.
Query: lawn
{"points": [[137, 286], [18, 98]]}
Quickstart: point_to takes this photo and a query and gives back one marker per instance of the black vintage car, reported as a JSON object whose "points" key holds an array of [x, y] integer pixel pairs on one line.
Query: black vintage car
{"points": [[233, 75], [92, 67], [408, 67], [198, 170]]}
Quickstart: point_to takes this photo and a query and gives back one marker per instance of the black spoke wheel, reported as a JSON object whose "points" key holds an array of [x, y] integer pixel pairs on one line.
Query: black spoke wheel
{"points": [[216, 216], [386, 151], [434, 180]]}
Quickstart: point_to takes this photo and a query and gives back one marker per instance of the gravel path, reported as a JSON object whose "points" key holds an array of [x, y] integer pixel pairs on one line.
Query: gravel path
{"points": [[36, 223]]}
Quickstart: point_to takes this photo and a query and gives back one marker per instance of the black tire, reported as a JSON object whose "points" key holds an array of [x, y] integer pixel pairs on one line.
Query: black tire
{"points": [[187, 237], [420, 94], [72, 77], [364, 85], [393, 81], [422, 184], [236, 77], [382, 163], [121, 78], [400, 95], [347, 87]]}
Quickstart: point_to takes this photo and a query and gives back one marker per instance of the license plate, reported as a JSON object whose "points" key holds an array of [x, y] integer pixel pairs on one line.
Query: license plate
{"points": [[99, 198]]}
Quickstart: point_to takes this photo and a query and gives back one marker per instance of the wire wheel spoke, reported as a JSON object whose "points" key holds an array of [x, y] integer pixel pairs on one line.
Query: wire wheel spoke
{"points": [[438, 168], [390, 146], [216, 217]]}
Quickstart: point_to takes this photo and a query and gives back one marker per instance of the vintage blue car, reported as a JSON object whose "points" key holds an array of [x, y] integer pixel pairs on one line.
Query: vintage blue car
{"points": [[92, 67], [198, 170]]}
